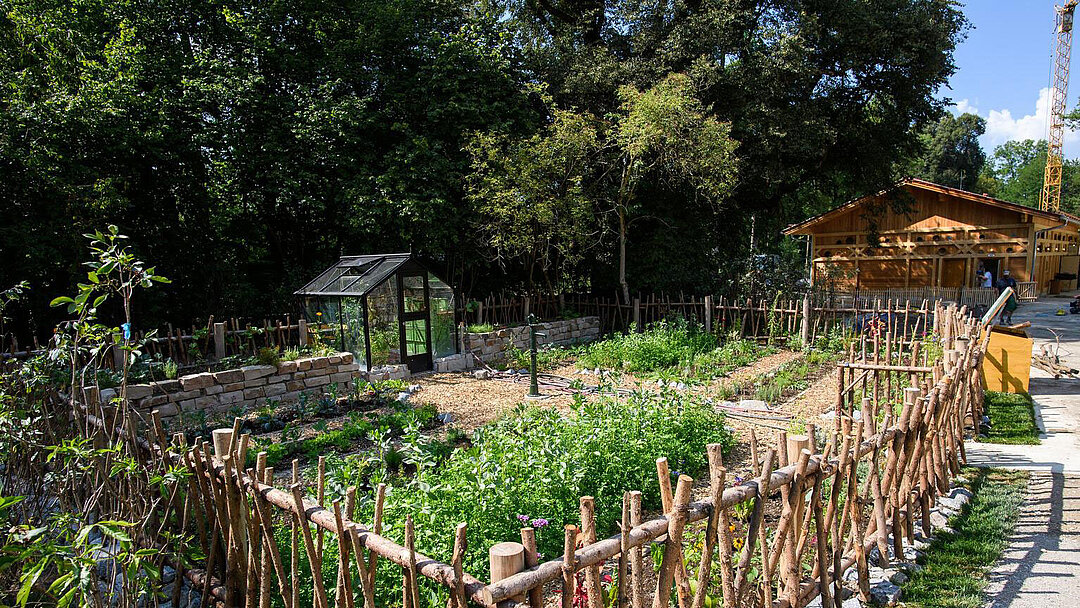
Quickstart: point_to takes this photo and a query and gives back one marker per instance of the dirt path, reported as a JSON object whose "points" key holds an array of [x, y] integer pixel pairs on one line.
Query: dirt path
{"points": [[1042, 563]]}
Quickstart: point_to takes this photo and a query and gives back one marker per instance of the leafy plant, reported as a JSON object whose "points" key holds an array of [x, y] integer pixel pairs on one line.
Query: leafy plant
{"points": [[268, 356]]}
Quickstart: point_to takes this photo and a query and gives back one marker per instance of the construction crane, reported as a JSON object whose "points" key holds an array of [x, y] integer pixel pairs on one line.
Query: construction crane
{"points": [[1050, 197]]}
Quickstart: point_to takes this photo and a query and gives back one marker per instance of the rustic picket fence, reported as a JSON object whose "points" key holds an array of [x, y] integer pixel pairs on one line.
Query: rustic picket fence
{"points": [[914, 406], [747, 318]]}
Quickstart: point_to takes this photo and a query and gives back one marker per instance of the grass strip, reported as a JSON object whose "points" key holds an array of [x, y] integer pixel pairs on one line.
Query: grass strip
{"points": [[1012, 419], [955, 567]]}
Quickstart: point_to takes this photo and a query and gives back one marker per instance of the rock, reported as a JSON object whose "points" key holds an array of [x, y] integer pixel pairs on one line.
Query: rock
{"points": [[403, 396], [168, 575], [414, 388], [960, 479], [754, 404], [922, 545], [910, 568], [898, 577], [482, 374], [951, 503], [938, 520], [851, 602], [884, 593]]}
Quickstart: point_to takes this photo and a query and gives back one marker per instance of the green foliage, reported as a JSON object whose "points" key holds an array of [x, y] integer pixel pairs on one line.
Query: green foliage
{"points": [[268, 356], [547, 357], [480, 328], [531, 197], [535, 463], [1014, 172], [952, 155], [666, 346], [1012, 419], [954, 568]]}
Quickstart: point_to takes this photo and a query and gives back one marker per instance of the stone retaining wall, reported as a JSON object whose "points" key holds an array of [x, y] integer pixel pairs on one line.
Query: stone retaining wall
{"points": [[220, 391], [492, 345]]}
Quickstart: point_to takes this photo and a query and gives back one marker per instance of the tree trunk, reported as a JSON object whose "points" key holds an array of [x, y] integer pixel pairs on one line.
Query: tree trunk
{"points": [[622, 254]]}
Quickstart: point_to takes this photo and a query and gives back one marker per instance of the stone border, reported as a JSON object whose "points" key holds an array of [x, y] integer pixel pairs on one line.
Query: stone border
{"points": [[215, 392], [492, 346]]}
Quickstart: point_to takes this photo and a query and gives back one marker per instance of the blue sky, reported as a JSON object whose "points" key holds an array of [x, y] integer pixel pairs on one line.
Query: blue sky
{"points": [[1003, 70]]}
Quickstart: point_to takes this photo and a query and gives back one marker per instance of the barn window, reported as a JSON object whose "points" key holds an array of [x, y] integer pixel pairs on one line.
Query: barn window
{"points": [[941, 251]]}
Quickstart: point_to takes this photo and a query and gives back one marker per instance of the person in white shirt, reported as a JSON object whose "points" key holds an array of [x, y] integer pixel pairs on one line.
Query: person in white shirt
{"points": [[988, 279]]}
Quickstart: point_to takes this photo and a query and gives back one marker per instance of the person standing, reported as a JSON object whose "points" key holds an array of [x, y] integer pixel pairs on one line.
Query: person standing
{"points": [[987, 279], [1012, 303]]}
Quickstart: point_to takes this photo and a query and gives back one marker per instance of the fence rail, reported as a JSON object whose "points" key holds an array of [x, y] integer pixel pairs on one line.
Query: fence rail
{"points": [[913, 404]]}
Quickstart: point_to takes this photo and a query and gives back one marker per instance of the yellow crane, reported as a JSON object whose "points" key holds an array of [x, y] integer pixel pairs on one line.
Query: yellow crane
{"points": [[1050, 196]]}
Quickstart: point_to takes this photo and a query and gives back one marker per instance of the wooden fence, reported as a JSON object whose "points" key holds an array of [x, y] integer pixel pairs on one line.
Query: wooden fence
{"points": [[747, 318], [867, 482]]}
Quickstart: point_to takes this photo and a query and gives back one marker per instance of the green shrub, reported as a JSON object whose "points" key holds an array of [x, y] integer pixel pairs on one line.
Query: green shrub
{"points": [[536, 463], [268, 356], [480, 328], [670, 346]]}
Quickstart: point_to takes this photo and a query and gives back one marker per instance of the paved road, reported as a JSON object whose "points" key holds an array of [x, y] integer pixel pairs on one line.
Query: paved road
{"points": [[1041, 567]]}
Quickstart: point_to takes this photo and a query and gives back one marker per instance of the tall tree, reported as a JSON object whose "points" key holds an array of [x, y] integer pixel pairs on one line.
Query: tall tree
{"points": [[1014, 172], [952, 155]]}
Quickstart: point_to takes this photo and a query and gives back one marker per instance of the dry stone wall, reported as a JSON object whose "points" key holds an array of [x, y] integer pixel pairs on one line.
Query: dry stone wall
{"points": [[221, 391], [492, 345]]}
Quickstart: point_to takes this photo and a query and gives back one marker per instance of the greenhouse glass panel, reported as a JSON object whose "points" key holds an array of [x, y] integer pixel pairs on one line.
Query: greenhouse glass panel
{"points": [[443, 334], [323, 316], [383, 325]]}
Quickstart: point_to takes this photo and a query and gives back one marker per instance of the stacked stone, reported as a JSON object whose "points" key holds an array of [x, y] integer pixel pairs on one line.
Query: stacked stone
{"points": [[220, 391], [492, 345]]}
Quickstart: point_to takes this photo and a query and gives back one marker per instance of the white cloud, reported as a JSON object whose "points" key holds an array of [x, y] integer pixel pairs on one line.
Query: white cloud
{"points": [[1001, 126]]}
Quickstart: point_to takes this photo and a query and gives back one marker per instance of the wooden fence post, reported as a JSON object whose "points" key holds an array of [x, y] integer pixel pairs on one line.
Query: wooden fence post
{"points": [[301, 325], [804, 330], [219, 340], [708, 314], [506, 559], [637, 314]]}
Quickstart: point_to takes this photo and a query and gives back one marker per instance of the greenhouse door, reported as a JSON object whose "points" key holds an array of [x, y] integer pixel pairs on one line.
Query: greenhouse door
{"points": [[414, 324]]}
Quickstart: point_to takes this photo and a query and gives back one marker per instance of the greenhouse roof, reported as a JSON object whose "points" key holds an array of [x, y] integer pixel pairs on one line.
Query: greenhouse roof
{"points": [[355, 275]]}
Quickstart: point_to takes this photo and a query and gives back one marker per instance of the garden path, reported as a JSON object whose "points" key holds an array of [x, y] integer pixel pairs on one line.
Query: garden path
{"points": [[1042, 563]]}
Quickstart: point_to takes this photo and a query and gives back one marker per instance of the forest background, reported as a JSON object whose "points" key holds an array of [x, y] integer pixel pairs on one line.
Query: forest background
{"points": [[521, 145]]}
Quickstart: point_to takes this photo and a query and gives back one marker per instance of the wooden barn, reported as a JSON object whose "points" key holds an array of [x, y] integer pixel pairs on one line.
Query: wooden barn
{"points": [[942, 239]]}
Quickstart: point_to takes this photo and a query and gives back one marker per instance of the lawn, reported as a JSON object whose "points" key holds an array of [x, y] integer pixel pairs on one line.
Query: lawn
{"points": [[1012, 419], [954, 571]]}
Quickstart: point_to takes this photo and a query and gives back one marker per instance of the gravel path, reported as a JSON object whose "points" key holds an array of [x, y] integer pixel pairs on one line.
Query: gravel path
{"points": [[1041, 566]]}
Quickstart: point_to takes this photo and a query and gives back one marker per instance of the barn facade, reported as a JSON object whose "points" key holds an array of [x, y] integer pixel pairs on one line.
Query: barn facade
{"points": [[941, 238]]}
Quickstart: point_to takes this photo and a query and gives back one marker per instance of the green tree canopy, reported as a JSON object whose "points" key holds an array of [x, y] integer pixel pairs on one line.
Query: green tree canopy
{"points": [[952, 155]]}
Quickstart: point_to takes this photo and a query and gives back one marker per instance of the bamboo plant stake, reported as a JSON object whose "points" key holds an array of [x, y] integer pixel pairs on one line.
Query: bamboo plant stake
{"points": [[673, 546]]}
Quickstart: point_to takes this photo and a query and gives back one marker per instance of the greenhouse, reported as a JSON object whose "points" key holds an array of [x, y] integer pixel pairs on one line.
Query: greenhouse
{"points": [[385, 309]]}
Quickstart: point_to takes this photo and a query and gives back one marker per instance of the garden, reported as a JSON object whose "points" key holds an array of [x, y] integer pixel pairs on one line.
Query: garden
{"points": [[624, 425]]}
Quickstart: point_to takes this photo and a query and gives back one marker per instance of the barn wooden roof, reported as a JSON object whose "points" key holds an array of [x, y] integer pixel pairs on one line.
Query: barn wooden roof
{"points": [[1047, 218]]}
